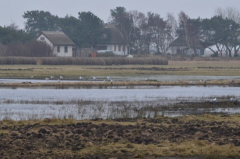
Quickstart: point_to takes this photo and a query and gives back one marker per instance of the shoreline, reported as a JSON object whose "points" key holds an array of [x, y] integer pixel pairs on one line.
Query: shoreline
{"points": [[125, 83]]}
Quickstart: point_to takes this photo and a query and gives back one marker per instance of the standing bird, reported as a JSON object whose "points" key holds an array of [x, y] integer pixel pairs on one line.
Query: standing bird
{"points": [[192, 83], [80, 78], [94, 78], [233, 99], [226, 110], [61, 77], [213, 100]]}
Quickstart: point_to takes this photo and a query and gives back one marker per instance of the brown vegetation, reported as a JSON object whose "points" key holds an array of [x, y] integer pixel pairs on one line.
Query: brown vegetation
{"points": [[182, 68], [83, 61], [122, 83], [29, 49], [207, 136]]}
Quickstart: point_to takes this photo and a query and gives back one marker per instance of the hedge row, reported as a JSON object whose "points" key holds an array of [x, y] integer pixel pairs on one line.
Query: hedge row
{"points": [[82, 61]]}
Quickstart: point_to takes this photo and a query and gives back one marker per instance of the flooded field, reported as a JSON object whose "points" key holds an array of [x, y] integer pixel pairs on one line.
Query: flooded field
{"points": [[116, 102]]}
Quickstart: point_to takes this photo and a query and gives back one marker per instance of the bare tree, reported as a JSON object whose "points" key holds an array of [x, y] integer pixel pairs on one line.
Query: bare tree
{"points": [[172, 25], [138, 30], [183, 25], [189, 30], [13, 26], [123, 21], [229, 13], [160, 32], [233, 14]]}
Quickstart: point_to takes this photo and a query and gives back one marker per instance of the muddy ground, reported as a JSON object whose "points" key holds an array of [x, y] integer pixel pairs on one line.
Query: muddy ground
{"points": [[123, 138]]}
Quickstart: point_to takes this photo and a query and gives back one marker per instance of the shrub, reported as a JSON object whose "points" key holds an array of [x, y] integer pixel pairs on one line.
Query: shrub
{"points": [[29, 49]]}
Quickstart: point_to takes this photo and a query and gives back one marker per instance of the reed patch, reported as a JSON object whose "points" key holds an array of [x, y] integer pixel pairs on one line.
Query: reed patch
{"points": [[82, 61]]}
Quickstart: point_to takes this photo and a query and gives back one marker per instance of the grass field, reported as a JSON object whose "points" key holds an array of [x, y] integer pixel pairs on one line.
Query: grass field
{"points": [[210, 68]]}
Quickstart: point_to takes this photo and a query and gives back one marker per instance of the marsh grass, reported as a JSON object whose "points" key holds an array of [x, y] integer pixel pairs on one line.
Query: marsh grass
{"points": [[190, 148], [87, 109]]}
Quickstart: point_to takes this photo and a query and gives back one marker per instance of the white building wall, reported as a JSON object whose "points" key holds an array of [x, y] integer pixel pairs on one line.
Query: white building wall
{"points": [[62, 52], [110, 47], [117, 52]]}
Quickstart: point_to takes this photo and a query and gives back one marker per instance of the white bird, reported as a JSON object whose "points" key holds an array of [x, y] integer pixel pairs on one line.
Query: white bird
{"points": [[233, 99], [58, 80], [94, 78], [51, 77], [80, 78], [31, 77], [46, 78], [61, 77], [109, 78], [191, 82], [226, 110], [213, 100]]}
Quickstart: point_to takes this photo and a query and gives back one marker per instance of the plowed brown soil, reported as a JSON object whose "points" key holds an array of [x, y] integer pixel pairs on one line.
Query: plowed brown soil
{"points": [[211, 136]]}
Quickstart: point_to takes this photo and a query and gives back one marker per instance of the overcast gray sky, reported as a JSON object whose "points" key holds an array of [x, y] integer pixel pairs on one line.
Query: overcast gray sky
{"points": [[11, 11]]}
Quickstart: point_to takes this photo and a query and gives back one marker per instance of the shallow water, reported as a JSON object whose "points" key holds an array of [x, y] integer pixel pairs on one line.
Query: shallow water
{"points": [[116, 94], [29, 103]]}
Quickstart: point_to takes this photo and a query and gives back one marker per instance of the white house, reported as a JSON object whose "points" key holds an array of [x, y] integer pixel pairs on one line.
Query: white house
{"points": [[180, 46], [61, 44], [115, 43]]}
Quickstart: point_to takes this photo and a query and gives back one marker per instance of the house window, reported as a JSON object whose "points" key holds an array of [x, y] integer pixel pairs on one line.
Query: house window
{"points": [[119, 47], [58, 48], [42, 38], [115, 47], [65, 49]]}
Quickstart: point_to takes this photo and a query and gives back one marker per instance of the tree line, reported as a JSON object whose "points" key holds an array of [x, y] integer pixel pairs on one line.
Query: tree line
{"points": [[145, 33]]}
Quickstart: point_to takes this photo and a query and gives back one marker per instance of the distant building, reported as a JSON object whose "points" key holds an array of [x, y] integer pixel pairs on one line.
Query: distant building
{"points": [[180, 46], [114, 43], [62, 45], [86, 52]]}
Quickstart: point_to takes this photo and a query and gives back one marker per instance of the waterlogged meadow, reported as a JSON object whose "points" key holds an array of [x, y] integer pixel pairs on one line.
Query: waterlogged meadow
{"points": [[116, 102], [156, 111]]}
